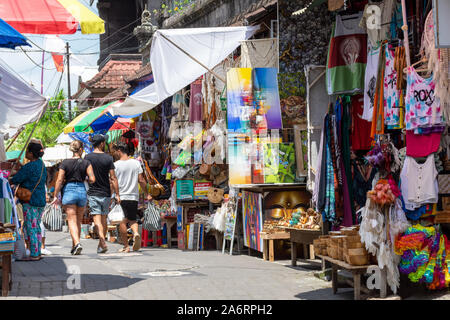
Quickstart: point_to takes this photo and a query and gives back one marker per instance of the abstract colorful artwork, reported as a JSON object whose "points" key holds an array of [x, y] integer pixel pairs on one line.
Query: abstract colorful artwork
{"points": [[252, 220], [240, 170], [253, 100], [253, 107], [266, 99]]}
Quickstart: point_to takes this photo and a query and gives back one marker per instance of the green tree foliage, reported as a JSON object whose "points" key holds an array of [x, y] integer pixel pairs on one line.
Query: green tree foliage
{"points": [[49, 127], [174, 7]]}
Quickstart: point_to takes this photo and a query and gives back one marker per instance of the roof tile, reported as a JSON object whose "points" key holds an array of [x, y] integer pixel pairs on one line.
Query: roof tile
{"points": [[113, 74]]}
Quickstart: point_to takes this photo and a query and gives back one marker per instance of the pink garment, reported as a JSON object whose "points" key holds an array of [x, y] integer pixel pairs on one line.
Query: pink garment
{"points": [[422, 145], [195, 103]]}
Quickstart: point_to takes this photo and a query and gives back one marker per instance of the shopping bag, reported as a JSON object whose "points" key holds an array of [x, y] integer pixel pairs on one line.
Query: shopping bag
{"points": [[52, 217], [116, 214], [152, 218], [20, 252]]}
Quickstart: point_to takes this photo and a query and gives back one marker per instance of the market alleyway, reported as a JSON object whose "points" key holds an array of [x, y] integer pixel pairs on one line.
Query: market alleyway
{"points": [[164, 274]]}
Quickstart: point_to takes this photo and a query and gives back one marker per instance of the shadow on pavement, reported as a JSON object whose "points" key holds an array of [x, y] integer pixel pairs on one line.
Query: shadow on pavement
{"points": [[57, 276], [326, 294]]}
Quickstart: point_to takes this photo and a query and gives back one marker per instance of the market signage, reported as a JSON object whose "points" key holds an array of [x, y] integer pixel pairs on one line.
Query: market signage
{"points": [[201, 190], [185, 189]]}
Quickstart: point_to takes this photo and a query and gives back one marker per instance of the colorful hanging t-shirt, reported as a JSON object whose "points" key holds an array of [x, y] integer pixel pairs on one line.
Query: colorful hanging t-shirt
{"points": [[370, 83], [347, 56], [422, 145], [423, 108], [361, 128], [391, 94]]}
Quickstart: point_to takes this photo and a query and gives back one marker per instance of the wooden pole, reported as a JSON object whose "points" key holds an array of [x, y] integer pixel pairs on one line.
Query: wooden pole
{"points": [[405, 34], [68, 82], [42, 73], [186, 53], [32, 131], [14, 138]]}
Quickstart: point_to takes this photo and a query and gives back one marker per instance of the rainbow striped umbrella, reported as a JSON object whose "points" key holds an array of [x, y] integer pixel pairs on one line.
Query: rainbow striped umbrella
{"points": [[91, 120], [50, 17]]}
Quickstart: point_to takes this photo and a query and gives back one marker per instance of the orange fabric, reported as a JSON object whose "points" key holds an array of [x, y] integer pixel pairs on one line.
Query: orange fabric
{"points": [[59, 62], [378, 109]]}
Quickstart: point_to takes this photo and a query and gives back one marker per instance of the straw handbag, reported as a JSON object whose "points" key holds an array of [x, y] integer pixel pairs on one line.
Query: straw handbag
{"points": [[215, 195], [157, 188]]}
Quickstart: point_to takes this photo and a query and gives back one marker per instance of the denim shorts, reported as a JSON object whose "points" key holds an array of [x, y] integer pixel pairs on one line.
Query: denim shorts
{"points": [[99, 205], [74, 193]]}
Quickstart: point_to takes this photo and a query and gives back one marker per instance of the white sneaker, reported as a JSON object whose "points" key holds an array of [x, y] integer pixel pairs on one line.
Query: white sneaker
{"points": [[46, 252]]}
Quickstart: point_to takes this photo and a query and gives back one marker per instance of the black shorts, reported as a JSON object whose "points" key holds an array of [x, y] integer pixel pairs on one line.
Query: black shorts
{"points": [[130, 209]]}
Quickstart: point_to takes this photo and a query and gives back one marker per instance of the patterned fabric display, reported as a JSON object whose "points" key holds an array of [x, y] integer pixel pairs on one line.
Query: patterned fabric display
{"points": [[391, 94], [423, 108]]}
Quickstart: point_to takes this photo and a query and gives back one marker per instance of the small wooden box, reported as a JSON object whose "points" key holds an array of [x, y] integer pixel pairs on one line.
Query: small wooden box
{"points": [[446, 203]]}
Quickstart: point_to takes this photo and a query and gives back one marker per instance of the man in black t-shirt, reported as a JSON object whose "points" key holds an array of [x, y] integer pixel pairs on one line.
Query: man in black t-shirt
{"points": [[99, 193]]}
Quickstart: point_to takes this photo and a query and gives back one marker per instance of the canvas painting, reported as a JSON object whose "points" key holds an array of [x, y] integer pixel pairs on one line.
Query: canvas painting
{"points": [[252, 220]]}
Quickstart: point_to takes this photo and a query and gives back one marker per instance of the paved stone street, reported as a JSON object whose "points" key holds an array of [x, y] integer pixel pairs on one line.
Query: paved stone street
{"points": [[164, 274]]}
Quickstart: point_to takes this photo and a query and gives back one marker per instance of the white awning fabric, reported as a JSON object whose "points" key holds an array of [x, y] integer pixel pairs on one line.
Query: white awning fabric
{"points": [[173, 69], [56, 154], [20, 103]]}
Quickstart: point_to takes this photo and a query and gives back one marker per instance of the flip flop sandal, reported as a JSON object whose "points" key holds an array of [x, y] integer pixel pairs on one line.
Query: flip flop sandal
{"points": [[31, 259], [123, 250], [136, 242]]}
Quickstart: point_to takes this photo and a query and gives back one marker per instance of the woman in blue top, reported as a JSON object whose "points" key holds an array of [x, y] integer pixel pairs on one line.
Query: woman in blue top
{"points": [[32, 176]]}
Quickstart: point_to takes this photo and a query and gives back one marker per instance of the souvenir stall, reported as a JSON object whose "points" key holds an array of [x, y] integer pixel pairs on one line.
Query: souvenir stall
{"points": [[21, 104], [192, 155], [195, 162], [381, 177], [267, 163], [211, 150]]}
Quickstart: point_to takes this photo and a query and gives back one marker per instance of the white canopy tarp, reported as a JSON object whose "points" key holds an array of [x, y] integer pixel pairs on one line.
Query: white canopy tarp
{"points": [[173, 69], [56, 154], [64, 138], [20, 103]]}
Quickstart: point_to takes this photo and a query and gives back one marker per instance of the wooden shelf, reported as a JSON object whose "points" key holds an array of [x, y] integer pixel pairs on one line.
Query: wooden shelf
{"points": [[269, 187], [343, 264]]}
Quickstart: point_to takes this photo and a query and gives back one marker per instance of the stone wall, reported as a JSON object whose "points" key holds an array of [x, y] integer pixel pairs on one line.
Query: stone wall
{"points": [[304, 40], [209, 13]]}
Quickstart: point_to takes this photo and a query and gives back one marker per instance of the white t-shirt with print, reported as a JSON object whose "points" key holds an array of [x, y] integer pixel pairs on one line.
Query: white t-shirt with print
{"points": [[127, 172]]}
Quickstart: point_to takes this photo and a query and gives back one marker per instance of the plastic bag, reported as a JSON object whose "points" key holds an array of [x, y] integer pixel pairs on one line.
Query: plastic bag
{"points": [[20, 252], [179, 172], [116, 214], [219, 220]]}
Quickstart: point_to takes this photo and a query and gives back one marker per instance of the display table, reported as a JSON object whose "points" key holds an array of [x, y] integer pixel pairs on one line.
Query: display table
{"points": [[6, 272], [304, 237], [268, 243], [356, 271]]}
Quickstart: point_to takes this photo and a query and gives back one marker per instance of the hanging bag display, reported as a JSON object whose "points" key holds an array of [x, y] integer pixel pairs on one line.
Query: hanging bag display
{"points": [[156, 189], [215, 195], [152, 218], [52, 218]]}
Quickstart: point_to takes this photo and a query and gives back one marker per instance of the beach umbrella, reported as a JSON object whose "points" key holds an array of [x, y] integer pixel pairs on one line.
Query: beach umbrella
{"points": [[83, 122], [50, 17], [97, 120], [10, 38], [121, 124]]}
